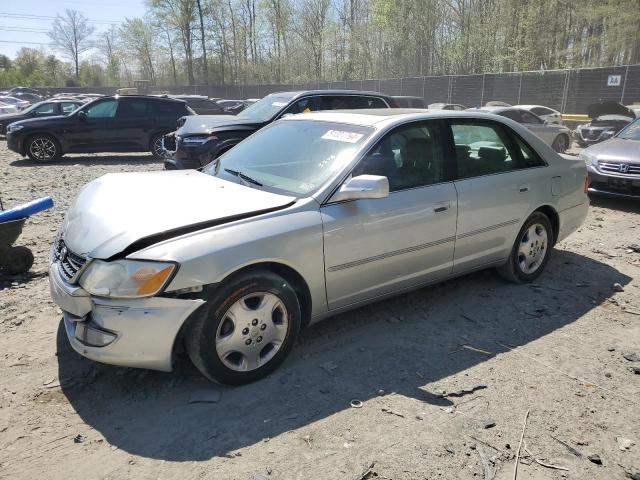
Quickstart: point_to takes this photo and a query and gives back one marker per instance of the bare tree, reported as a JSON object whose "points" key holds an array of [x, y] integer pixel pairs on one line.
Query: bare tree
{"points": [[71, 34], [205, 67]]}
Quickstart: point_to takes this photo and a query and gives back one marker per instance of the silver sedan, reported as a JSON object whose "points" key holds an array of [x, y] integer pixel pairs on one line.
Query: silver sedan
{"points": [[314, 215]]}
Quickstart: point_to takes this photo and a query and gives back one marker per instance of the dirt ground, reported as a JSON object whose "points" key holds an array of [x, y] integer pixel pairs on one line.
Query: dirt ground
{"points": [[446, 375]]}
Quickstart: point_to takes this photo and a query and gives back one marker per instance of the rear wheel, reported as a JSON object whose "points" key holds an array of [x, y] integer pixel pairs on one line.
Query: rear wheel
{"points": [[531, 250], [246, 329], [561, 144], [155, 146], [42, 148]]}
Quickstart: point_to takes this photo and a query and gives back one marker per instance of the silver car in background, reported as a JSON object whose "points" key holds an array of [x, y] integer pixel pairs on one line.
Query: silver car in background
{"points": [[556, 136], [614, 165], [313, 215]]}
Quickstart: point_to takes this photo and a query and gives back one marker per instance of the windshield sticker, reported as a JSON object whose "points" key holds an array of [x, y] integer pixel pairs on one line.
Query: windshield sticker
{"points": [[278, 104], [342, 136]]}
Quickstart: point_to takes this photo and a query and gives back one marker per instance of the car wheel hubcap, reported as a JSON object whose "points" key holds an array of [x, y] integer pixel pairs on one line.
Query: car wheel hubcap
{"points": [[43, 149], [533, 248], [252, 331], [157, 147]]}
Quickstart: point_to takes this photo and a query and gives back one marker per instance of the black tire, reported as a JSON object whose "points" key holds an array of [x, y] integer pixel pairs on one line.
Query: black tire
{"points": [[43, 148], [513, 269], [155, 146], [17, 260], [205, 326], [561, 143]]}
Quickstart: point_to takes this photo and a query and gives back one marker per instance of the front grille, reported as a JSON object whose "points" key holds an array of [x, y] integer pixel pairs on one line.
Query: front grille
{"points": [[70, 264], [590, 134], [619, 168]]}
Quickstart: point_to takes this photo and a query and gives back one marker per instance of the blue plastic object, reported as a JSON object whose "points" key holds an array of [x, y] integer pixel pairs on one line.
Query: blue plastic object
{"points": [[26, 209]]}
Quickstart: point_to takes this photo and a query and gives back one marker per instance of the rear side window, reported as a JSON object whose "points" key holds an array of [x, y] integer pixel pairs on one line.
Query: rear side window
{"points": [[530, 159], [528, 117], [46, 108], [168, 109], [132, 108], [481, 149], [512, 114], [541, 111]]}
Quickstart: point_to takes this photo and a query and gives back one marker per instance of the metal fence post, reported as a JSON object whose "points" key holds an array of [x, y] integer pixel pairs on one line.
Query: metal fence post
{"points": [[424, 81], [624, 84], [449, 89], [401, 90], [520, 87], [482, 93]]}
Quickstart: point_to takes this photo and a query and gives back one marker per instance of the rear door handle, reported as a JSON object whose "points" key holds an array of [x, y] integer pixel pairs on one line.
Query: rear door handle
{"points": [[523, 188]]}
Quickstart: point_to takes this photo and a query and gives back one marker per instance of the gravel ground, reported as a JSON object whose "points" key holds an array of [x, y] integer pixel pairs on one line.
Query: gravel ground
{"points": [[446, 375]]}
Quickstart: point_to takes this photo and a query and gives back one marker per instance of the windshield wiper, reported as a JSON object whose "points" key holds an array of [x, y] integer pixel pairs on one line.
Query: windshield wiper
{"points": [[243, 176]]}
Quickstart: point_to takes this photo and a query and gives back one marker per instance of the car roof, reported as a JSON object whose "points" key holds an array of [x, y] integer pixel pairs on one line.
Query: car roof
{"points": [[299, 93], [380, 117], [526, 107]]}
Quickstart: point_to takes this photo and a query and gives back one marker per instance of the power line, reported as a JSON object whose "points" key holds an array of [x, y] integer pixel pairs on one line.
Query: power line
{"points": [[25, 43], [26, 16], [23, 29]]}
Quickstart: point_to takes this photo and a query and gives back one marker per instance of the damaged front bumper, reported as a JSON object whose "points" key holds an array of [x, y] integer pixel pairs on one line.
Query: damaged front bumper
{"points": [[127, 332], [177, 156]]}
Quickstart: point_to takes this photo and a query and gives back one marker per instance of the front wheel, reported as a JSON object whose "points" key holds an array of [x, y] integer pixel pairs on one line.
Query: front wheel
{"points": [[43, 148], [246, 328], [155, 147], [531, 250], [561, 144]]}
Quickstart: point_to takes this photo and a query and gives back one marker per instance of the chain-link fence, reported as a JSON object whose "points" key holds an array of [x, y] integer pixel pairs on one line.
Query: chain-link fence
{"points": [[569, 91]]}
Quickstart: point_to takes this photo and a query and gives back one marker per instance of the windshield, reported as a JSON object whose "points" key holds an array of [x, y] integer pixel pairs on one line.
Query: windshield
{"points": [[631, 132], [266, 108], [293, 157]]}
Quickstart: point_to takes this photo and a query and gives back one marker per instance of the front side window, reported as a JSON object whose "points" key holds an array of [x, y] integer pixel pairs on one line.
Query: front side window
{"points": [[69, 107], [292, 157], [105, 109], [512, 114], [410, 156], [541, 111], [481, 149], [266, 108]]}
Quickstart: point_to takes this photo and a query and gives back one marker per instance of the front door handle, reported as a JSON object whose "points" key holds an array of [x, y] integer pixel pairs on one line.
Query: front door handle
{"points": [[523, 188], [443, 207]]}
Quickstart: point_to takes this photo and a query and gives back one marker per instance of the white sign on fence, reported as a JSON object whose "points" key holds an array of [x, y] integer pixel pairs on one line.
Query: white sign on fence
{"points": [[614, 80]]}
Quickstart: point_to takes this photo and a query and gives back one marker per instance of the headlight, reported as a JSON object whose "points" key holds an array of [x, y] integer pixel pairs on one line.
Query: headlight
{"points": [[14, 128], [608, 134], [588, 159], [126, 278]]}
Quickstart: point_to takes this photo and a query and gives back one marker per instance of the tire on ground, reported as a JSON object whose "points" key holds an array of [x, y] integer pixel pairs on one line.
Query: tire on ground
{"points": [[512, 270], [42, 148], [201, 332]]}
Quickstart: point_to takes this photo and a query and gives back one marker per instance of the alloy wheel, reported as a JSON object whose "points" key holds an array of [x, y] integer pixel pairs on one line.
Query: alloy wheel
{"points": [[43, 149], [533, 248], [252, 331]]}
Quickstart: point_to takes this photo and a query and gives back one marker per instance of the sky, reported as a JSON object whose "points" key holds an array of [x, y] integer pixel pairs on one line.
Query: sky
{"points": [[24, 23]]}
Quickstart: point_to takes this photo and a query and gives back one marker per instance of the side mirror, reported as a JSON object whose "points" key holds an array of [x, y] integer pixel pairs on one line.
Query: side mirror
{"points": [[82, 115], [361, 187]]}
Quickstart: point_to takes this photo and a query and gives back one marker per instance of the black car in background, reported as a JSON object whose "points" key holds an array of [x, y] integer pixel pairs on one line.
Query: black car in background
{"points": [[109, 124], [201, 139], [48, 108], [202, 105], [405, 101], [607, 119]]}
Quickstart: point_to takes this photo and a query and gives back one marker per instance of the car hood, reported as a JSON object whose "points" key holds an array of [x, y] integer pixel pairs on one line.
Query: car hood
{"points": [[616, 149], [199, 124], [599, 109], [36, 122], [12, 117], [123, 212]]}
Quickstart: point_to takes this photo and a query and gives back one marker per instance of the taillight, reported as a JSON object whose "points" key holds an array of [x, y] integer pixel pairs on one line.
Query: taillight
{"points": [[586, 184]]}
